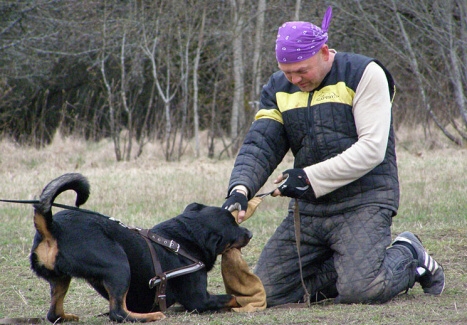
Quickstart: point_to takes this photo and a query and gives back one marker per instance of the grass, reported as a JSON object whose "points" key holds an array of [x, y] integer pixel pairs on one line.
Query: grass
{"points": [[147, 191]]}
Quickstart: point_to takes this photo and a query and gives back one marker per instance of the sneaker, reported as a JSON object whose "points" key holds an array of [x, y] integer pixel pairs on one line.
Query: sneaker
{"points": [[431, 274]]}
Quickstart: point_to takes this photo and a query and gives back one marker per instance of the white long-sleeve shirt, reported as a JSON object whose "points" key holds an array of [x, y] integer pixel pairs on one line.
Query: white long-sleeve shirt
{"points": [[372, 113]]}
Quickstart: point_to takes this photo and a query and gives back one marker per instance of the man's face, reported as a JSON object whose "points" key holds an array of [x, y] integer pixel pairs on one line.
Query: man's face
{"points": [[307, 74]]}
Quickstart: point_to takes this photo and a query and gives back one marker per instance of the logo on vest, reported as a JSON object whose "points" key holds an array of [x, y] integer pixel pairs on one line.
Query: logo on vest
{"points": [[326, 97]]}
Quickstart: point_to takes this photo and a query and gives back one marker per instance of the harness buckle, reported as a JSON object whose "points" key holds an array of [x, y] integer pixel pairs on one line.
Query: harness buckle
{"points": [[174, 246], [154, 282]]}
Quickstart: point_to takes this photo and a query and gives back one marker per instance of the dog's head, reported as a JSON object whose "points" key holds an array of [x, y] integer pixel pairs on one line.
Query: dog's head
{"points": [[213, 230]]}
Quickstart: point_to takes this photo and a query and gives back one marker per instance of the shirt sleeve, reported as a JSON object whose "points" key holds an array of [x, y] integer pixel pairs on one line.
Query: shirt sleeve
{"points": [[372, 114]]}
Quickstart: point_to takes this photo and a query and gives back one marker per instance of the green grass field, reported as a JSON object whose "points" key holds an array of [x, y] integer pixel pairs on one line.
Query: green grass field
{"points": [[148, 191]]}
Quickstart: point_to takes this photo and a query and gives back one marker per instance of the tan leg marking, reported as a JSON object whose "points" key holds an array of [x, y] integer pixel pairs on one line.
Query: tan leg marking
{"points": [[47, 249], [58, 290], [131, 316]]}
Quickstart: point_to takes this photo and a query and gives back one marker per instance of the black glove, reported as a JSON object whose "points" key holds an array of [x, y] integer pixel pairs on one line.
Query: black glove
{"points": [[236, 201], [296, 184]]}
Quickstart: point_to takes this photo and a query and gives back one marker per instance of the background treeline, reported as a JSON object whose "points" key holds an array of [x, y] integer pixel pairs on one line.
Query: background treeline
{"points": [[138, 71]]}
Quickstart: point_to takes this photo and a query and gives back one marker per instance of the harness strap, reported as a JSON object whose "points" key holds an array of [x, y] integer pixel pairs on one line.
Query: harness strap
{"points": [[160, 293], [170, 244], [162, 277], [296, 214], [177, 272]]}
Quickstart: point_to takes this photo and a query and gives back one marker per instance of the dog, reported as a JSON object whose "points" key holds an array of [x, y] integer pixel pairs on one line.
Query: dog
{"points": [[116, 260]]}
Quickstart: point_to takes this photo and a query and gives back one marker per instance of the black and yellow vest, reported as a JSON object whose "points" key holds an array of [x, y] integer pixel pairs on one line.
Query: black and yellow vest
{"points": [[319, 125]]}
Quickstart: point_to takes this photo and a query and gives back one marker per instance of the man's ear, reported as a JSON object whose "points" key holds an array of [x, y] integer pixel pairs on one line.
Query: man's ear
{"points": [[325, 52]]}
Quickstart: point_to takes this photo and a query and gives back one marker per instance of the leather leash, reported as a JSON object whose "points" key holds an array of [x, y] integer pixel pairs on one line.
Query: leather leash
{"points": [[22, 320], [296, 219], [296, 214], [58, 205]]}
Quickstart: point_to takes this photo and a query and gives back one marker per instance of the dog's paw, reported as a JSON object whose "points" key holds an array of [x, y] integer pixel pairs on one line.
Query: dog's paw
{"points": [[157, 316], [65, 318], [233, 303]]}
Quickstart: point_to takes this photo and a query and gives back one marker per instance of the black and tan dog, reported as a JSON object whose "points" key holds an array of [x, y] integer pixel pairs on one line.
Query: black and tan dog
{"points": [[116, 260]]}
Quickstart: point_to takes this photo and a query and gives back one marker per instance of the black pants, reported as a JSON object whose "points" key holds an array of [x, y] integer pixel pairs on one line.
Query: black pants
{"points": [[344, 257]]}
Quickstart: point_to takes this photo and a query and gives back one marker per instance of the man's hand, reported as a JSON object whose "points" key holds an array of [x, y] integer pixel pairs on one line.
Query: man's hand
{"points": [[296, 183], [237, 200]]}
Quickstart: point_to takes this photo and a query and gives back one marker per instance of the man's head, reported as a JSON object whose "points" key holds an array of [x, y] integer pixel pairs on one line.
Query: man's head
{"points": [[302, 53]]}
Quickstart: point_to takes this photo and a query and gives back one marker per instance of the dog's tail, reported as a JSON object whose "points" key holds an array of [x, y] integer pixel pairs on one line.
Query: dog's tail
{"points": [[43, 209]]}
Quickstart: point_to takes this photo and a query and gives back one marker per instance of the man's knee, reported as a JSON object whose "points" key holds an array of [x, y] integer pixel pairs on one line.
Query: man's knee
{"points": [[359, 292], [283, 294]]}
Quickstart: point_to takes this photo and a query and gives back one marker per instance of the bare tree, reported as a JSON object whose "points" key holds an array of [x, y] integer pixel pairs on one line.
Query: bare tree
{"points": [[258, 44], [238, 108], [195, 84], [452, 52], [110, 87], [58, 69], [297, 9], [414, 36], [114, 128], [410, 55], [167, 92], [191, 28], [184, 79]]}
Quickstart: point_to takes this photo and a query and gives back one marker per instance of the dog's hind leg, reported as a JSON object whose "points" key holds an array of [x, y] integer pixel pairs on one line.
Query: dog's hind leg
{"points": [[58, 290], [120, 313]]}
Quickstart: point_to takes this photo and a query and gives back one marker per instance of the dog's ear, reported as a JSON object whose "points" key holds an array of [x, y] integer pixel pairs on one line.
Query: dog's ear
{"points": [[194, 207]]}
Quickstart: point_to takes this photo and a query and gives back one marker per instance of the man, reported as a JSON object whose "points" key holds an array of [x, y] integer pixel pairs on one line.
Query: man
{"points": [[333, 111]]}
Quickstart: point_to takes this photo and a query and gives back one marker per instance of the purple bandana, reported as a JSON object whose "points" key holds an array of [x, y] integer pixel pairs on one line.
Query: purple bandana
{"points": [[300, 40]]}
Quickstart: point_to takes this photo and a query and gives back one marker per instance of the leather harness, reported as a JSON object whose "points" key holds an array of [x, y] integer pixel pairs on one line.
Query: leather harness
{"points": [[161, 277]]}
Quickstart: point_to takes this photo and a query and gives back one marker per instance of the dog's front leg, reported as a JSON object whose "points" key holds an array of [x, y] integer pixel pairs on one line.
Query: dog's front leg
{"points": [[211, 302], [193, 295], [221, 302], [58, 290]]}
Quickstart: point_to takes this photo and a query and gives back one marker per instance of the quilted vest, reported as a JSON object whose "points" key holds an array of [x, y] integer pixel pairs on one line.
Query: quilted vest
{"points": [[320, 125]]}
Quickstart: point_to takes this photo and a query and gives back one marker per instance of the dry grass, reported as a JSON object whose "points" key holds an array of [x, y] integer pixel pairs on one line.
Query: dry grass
{"points": [[148, 190]]}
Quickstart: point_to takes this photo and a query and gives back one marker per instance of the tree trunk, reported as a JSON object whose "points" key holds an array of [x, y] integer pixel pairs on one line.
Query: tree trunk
{"points": [[297, 10], [454, 51], [238, 108], [195, 85], [166, 94], [419, 77], [213, 127], [462, 4], [256, 84], [145, 132], [184, 76], [114, 130], [128, 111]]}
